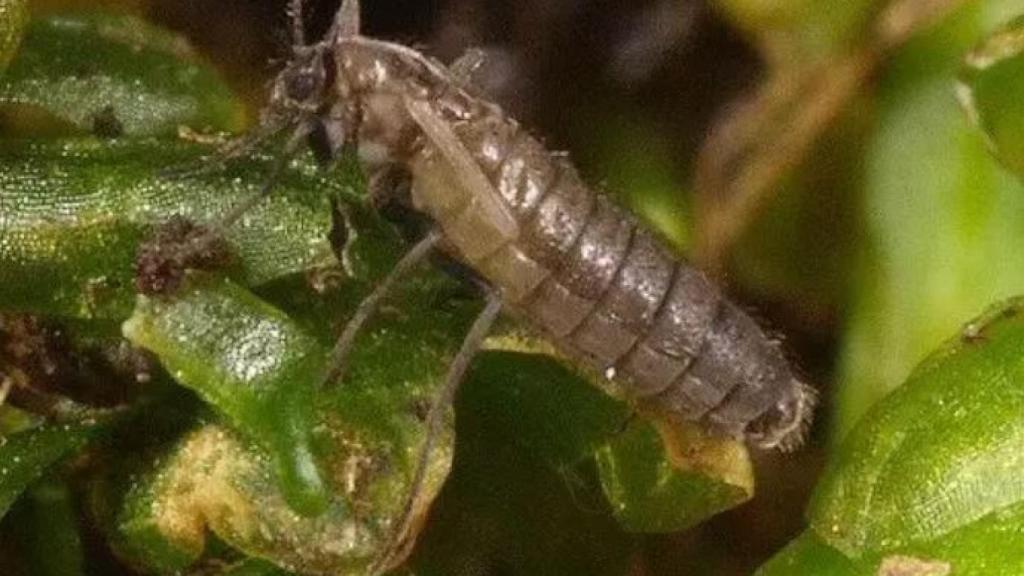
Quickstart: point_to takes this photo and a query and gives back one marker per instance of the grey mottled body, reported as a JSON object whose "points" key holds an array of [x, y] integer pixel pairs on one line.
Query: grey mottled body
{"points": [[608, 292], [565, 258]]}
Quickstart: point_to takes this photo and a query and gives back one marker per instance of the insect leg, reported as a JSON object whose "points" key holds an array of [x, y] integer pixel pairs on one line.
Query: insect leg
{"points": [[291, 148], [465, 66], [456, 372], [366, 308], [6, 384], [235, 147]]}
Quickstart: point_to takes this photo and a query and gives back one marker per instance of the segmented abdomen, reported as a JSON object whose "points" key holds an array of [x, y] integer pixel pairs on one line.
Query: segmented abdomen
{"points": [[610, 293]]}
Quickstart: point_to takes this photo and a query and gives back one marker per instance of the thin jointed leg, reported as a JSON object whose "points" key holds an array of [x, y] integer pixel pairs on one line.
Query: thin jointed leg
{"points": [[369, 305], [218, 229], [456, 372]]}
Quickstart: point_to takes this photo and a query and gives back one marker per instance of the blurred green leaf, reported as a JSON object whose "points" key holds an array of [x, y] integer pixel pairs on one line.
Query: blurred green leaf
{"points": [[249, 361], [26, 455], [931, 475], [48, 530], [13, 18], [795, 33], [73, 212], [116, 74], [941, 218], [991, 90]]}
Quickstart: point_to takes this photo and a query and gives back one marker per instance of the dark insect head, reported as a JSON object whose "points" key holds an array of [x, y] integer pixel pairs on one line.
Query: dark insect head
{"points": [[300, 88]]}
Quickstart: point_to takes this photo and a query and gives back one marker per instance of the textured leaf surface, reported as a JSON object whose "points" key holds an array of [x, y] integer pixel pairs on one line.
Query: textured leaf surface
{"points": [[940, 452], [931, 475], [116, 73], [252, 363], [73, 212]]}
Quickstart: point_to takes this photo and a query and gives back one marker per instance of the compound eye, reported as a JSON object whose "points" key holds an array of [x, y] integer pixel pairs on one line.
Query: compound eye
{"points": [[302, 86]]}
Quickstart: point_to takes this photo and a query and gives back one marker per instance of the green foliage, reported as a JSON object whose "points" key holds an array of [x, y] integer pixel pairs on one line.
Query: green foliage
{"points": [[932, 473], [939, 214], [248, 360], [25, 456], [991, 91], [117, 75], [111, 195], [274, 468]]}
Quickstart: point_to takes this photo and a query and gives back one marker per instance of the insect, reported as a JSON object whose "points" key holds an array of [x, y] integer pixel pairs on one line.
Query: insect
{"points": [[550, 250]]}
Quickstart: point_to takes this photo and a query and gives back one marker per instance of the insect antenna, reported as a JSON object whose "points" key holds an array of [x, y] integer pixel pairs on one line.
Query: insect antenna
{"points": [[346, 22], [298, 24]]}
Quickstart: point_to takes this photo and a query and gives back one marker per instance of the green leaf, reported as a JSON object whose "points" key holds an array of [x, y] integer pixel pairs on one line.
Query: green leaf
{"points": [[116, 74], [13, 18], [940, 452], [26, 455], [74, 212], [655, 484], [929, 480], [522, 498], [658, 476], [367, 433], [988, 546], [991, 90], [48, 531], [938, 212], [808, 554], [539, 404], [252, 363]]}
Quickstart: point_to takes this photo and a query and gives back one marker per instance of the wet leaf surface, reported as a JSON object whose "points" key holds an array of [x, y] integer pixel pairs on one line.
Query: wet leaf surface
{"points": [[75, 211], [113, 75], [249, 361], [361, 439]]}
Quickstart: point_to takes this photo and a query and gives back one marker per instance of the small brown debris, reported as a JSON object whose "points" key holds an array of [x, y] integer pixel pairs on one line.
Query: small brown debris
{"points": [[179, 244]]}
